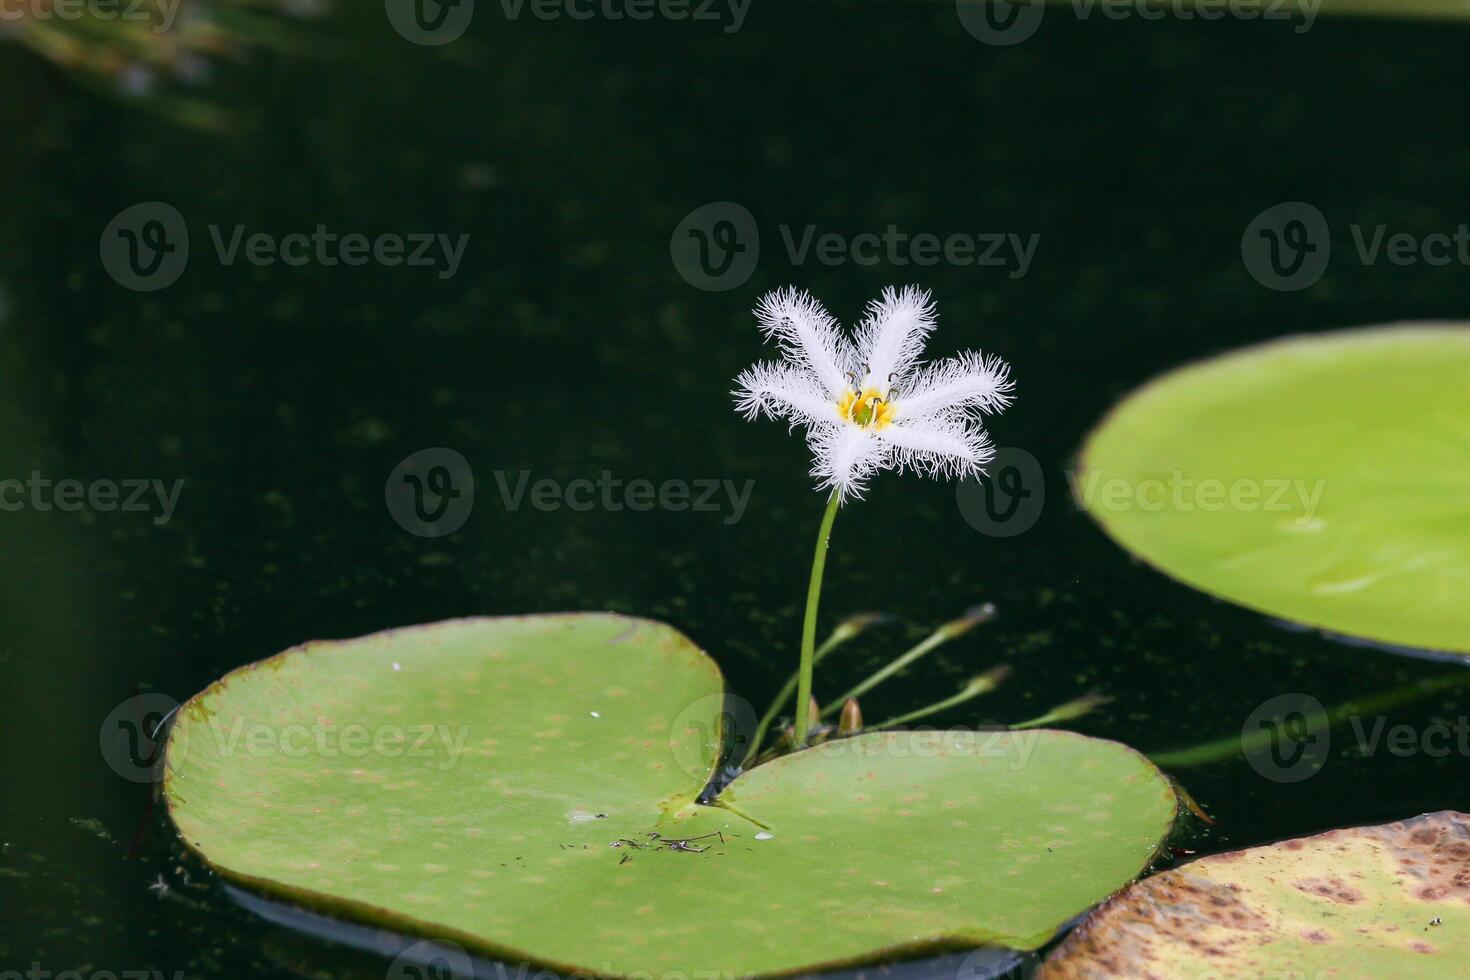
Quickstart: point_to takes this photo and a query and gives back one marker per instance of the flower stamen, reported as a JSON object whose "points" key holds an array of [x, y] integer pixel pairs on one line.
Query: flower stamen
{"points": [[868, 410]]}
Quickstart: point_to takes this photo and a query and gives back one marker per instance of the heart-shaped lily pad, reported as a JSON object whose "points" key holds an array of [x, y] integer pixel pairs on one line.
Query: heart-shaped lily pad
{"points": [[1374, 902], [526, 787], [1321, 479]]}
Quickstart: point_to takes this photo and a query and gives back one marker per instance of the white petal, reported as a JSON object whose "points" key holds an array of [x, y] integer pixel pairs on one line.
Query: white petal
{"points": [[782, 391], [891, 337], [971, 380], [944, 447], [808, 335], [846, 457]]}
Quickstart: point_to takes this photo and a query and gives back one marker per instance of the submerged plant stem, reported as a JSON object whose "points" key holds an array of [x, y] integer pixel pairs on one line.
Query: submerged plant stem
{"points": [[725, 805], [983, 684], [1070, 711], [944, 634], [838, 637], [809, 624], [1256, 741]]}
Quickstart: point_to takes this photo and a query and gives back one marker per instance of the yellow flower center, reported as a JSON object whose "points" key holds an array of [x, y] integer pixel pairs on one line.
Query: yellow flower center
{"points": [[870, 410]]}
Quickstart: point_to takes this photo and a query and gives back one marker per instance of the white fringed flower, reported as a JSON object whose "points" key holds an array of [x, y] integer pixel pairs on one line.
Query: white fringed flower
{"points": [[867, 403]]}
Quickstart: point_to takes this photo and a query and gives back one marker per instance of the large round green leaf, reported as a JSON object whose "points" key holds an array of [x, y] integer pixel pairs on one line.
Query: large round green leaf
{"points": [[1373, 902], [1323, 479], [540, 807]]}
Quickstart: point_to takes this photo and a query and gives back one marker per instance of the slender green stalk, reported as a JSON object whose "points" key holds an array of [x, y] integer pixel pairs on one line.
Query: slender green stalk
{"points": [[1070, 711], [983, 684], [1234, 745], [939, 637], [727, 805], [809, 624], [849, 628]]}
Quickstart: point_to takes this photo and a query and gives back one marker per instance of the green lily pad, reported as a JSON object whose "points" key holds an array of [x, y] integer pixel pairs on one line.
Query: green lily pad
{"points": [[563, 829], [1381, 902], [1323, 480]]}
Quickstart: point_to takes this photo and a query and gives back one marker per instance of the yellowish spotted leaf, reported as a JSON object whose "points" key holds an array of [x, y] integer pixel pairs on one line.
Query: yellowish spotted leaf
{"points": [[1378, 903]]}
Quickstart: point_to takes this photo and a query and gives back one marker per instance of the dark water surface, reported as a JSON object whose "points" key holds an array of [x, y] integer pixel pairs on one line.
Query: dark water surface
{"points": [[569, 344]]}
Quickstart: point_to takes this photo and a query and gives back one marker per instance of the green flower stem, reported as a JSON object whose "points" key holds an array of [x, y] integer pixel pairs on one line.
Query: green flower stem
{"points": [[939, 637], [1234, 745], [1070, 711], [983, 684], [849, 628], [809, 624]]}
